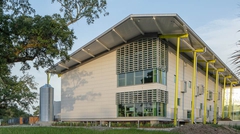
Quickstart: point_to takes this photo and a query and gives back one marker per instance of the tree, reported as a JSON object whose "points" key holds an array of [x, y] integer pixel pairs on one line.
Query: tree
{"points": [[37, 110], [16, 95], [42, 38], [235, 59], [26, 37]]}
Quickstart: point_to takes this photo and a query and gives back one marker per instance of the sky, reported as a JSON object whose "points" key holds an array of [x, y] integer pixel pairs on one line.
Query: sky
{"points": [[216, 22]]}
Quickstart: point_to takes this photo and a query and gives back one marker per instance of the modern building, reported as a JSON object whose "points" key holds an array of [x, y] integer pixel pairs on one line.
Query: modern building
{"points": [[146, 68]]}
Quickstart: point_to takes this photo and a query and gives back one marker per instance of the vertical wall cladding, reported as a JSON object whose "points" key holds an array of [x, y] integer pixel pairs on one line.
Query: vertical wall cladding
{"points": [[89, 90], [185, 74]]}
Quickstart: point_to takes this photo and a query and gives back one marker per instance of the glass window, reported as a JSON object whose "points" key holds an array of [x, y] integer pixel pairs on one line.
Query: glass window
{"points": [[189, 84], [174, 78], [189, 114], [178, 101], [139, 77], [130, 79], [210, 95], [148, 109], [148, 76], [210, 108], [154, 75], [130, 110], [201, 106], [139, 109], [121, 110], [162, 77], [121, 80], [142, 109]]}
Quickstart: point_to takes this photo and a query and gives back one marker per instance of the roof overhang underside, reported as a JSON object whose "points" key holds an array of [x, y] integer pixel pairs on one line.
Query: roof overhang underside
{"points": [[135, 26]]}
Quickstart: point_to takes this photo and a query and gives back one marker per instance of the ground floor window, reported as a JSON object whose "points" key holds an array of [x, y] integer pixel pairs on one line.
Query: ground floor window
{"points": [[189, 114], [142, 109]]}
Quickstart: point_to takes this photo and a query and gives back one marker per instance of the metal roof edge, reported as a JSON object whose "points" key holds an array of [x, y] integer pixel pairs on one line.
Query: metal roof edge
{"points": [[208, 48]]}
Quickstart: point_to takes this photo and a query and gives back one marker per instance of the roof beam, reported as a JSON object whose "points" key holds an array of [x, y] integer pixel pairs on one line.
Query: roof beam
{"points": [[103, 45], [160, 30], [137, 26], [71, 58], [63, 66], [87, 52], [119, 35]]}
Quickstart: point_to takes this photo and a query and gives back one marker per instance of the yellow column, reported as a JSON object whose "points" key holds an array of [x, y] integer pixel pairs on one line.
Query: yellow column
{"points": [[193, 85], [177, 68], [216, 95], [206, 91], [223, 94], [194, 81], [230, 100], [48, 78]]}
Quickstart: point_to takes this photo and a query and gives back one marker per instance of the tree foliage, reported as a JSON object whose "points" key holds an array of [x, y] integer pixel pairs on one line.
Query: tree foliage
{"points": [[27, 37], [235, 59], [36, 110], [16, 92], [38, 39]]}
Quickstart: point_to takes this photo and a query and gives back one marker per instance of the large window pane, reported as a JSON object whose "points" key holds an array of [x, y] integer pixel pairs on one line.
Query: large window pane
{"points": [[121, 80], [121, 110], [139, 77], [148, 76], [139, 109], [130, 110], [130, 79], [148, 110]]}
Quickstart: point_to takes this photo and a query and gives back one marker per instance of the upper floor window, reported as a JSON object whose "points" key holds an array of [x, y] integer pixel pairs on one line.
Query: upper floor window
{"points": [[142, 77]]}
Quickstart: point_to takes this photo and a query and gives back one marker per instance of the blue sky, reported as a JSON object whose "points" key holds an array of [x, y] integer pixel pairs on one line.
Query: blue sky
{"points": [[215, 21]]}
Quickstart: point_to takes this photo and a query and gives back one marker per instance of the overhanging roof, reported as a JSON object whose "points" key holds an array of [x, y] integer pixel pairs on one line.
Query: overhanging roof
{"points": [[139, 25]]}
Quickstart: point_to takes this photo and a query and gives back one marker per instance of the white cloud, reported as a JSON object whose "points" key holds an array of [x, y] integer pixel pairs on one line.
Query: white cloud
{"points": [[221, 36]]}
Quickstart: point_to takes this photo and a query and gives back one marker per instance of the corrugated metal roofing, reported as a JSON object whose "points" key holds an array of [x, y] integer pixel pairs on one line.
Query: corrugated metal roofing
{"points": [[140, 25]]}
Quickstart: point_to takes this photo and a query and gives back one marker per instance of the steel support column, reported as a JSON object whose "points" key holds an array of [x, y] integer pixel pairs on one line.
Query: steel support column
{"points": [[223, 94], [177, 69], [194, 81], [206, 91], [230, 100], [216, 95]]}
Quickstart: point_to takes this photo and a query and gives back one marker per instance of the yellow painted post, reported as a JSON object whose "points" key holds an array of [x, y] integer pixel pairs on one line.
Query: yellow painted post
{"points": [[176, 84], [194, 80], [216, 95], [177, 69], [48, 78], [205, 95], [206, 91], [223, 94], [193, 85], [230, 100]]}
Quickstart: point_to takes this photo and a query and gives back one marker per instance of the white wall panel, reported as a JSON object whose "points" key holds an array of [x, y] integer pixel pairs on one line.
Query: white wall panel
{"points": [[185, 73]]}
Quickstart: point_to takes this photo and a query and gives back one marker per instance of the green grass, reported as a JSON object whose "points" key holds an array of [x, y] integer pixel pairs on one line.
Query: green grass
{"points": [[72, 130]]}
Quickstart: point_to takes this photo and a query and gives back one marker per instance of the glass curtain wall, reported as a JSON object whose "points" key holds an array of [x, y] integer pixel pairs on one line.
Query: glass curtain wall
{"points": [[142, 77], [142, 109]]}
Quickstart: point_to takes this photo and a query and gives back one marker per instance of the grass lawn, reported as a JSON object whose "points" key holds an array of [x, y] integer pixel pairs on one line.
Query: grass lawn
{"points": [[72, 130]]}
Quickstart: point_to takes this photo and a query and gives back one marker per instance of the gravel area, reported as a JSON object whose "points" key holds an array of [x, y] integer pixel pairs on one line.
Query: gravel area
{"points": [[204, 129]]}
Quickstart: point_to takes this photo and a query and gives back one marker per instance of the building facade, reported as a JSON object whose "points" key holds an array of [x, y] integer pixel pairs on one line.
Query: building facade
{"points": [[129, 73]]}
